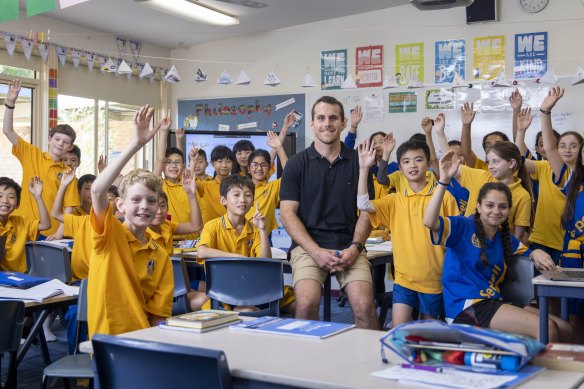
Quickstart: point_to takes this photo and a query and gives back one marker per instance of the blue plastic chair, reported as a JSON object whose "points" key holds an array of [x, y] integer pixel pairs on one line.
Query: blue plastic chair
{"points": [[44, 259], [128, 363], [246, 281], [11, 323], [180, 302]]}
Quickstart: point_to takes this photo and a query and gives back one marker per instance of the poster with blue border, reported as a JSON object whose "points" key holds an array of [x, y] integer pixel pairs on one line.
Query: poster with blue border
{"points": [[333, 68], [530, 55], [450, 59]]}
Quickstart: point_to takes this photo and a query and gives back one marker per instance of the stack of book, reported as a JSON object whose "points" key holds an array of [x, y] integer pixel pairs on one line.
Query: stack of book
{"points": [[201, 321]]}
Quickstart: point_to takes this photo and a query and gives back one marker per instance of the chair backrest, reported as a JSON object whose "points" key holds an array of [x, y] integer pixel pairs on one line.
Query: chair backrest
{"points": [[180, 303], [245, 281], [44, 259], [11, 322], [129, 363], [521, 289], [82, 302]]}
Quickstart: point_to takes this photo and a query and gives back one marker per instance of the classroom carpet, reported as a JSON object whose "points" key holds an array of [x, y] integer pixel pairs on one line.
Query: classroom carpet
{"points": [[30, 370]]}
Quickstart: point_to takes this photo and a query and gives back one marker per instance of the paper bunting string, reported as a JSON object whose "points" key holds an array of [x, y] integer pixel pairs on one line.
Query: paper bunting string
{"points": [[90, 58], [121, 45], [44, 50], [224, 78], [349, 82], [61, 54], [501, 81], [9, 42], [201, 76], [135, 47], [101, 62], [172, 75], [147, 71], [124, 68], [549, 78], [308, 81], [27, 45], [243, 79], [415, 82], [162, 73], [75, 57], [460, 82], [109, 66], [272, 79], [579, 77], [389, 82], [69, 3]]}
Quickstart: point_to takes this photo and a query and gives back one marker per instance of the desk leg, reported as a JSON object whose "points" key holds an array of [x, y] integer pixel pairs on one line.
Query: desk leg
{"points": [[326, 309], [44, 348], [34, 330], [543, 319], [564, 309]]}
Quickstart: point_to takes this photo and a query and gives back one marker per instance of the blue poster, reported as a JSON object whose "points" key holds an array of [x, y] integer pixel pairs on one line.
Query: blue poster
{"points": [[530, 55], [333, 68], [450, 59]]}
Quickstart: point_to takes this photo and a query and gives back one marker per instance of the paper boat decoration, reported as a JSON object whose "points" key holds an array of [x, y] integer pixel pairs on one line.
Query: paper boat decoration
{"points": [[172, 75], [124, 68], [272, 79], [201, 76], [579, 77], [501, 81], [415, 82], [147, 71], [549, 78], [349, 83], [389, 82], [308, 81], [460, 82], [224, 78], [109, 66], [243, 79]]}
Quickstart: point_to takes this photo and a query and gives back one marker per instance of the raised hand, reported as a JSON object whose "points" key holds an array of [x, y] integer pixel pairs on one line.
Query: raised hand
{"points": [[273, 140], [427, 124], [524, 119], [188, 183], [440, 122], [165, 123], [467, 113], [142, 119], [554, 94], [258, 219], [101, 163], [448, 166], [35, 187], [13, 92], [516, 100], [366, 154], [388, 145], [289, 120], [356, 116], [180, 135], [67, 177]]}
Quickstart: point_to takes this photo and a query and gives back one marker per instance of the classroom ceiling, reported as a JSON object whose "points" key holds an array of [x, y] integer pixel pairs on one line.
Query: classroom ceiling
{"points": [[128, 19]]}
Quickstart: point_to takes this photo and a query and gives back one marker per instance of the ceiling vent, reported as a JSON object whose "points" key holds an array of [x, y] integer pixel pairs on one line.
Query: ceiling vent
{"points": [[431, 5]]}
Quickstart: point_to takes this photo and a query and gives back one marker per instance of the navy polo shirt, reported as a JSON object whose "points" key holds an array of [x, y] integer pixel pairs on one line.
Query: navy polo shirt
{"points": [[327, 194]]}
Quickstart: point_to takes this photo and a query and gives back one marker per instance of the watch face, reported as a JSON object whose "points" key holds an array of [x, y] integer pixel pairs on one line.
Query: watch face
{"points": [[533, 5]]}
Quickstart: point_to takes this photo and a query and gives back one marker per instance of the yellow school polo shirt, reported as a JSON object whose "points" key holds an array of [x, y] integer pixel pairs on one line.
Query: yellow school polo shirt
{"points": [[380, 190], [79, 229], [209, 199], [128, 280], [219, 234], [165, 236], [179, 207], [267, 196], [480, 164], [417, 262], [78, 211], [547, 228], [17, 231], [36, 163], [474, 179], [399, 182]]}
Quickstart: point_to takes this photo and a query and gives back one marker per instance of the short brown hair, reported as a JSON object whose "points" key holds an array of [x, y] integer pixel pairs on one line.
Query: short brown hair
{"points": [[142, 176], [331, 101], [63, 129]]}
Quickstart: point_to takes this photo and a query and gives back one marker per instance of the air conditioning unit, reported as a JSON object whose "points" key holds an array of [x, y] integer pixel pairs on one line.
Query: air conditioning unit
{"points": [[431, 5]]}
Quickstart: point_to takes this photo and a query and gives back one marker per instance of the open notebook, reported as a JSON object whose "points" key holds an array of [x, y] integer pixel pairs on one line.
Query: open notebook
{"points": [[40, 292]]}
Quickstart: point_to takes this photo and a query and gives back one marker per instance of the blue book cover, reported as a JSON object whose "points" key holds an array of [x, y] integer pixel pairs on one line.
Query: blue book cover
{"points": [[20, 280], [293, 327]]}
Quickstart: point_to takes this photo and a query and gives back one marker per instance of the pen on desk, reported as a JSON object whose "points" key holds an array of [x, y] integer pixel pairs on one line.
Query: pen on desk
{"points": [[433, 369]]}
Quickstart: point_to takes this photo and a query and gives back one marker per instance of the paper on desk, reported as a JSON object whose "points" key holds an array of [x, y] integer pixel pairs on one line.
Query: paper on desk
{"points": [[40, 292], [278, 253], [449, 378], [383, 246]]}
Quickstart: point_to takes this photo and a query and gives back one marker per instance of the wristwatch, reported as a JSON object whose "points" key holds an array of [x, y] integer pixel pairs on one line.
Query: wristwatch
{"points": [[359, 245]]}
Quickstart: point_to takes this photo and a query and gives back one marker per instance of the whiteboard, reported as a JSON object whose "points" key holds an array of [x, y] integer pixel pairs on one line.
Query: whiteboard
{"points": [[492, 106]]}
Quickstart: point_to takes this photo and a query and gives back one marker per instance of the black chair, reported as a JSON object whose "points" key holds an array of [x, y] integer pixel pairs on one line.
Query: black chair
{"points": [[180, 301], [48, 260], [517, 286], [76, 365], [11, 323], [127, 363], [246, 281]]}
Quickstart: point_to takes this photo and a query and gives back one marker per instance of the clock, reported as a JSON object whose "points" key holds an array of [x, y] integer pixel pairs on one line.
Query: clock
{"points": [[533, 6]]}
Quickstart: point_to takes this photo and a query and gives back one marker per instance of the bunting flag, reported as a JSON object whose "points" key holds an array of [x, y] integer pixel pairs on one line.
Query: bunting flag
{"points": [[349, 82], [389, 82], [44, 50], [90, 58], [162, 73], [101, 62], [147, 71], [415, 82], [69, 3], [201, 76], [579, 77], [109, 66], [61, 54], [172, 75], [27, 45], [243, 79], [76, 57], [8, 10], [9, 42], [123, 68], [549, 78], [272, 79], [35, 7], [501, 81], [121, 45], [460, 82], [224, 78], [135, 47], [308, 81]]}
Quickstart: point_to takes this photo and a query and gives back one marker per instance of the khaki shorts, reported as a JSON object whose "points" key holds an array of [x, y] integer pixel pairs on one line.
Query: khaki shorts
{"points": [[305, 268]]}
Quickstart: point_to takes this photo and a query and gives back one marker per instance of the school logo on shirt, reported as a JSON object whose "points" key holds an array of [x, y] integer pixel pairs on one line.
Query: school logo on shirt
{"points": [[475, 241], [150, 267], [249, 243]]}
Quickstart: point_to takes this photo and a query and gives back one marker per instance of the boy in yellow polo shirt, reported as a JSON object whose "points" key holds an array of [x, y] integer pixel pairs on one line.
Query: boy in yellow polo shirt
{"points": [[84, 189], [16, 229], [417, 262], [232, 235], [48, 165], [131, 280], [222, 159], [198, 164]]}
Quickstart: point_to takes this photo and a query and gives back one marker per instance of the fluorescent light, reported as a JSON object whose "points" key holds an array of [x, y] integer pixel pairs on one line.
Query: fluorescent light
{"points": [[191, 11]]}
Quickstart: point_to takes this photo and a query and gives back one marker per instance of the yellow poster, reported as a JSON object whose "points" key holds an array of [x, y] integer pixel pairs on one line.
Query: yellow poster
{"points": [[489, 57]]}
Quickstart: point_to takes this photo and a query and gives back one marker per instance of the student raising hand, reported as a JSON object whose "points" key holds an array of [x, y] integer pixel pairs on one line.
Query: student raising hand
{"points": [[188, 182], [388, 145], [258, 219], [427, 124], [524, 119], [449, 165], [143, 133], [67, 177], [366, 154], [467, 113], [35, 187]]}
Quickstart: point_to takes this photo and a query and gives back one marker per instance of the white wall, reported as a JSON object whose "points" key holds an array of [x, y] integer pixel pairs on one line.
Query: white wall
{"points": [[290, 51]]}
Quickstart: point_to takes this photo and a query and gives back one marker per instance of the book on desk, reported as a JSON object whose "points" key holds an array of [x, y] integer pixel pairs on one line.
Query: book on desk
{"points": [[202, 319], [293, 327], [40, 292]]}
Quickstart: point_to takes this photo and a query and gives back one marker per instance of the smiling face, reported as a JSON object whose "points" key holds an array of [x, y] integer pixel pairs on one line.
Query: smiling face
{"points": [[8, 202], [200, 165], [494, 208], [139, 204], [71, 160], [238, 201], [173, 166], [222, 167], [568, 147], [414, 165], [242, 158], [327, 123], [499, 167], [85, 194], [161, 214], [259, 168], [59, 145]]}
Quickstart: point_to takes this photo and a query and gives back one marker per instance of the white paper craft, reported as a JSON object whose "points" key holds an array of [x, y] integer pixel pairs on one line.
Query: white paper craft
{"points": [[224, 78], [61, 54], [135, 47], [389, 82], [415, 82], [147, 71], [501, 81], [27, 45], [243, 79], [308, 81], [101, 62], [10, 42], [109, 66], [69, 3], [172, 75], [349, 83], [75, 57], [44, 50], [121, 45], [579, 77], [272, 79], [201, 76], [460, 82], [124, 68], [90, 58], [549, 78]]}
